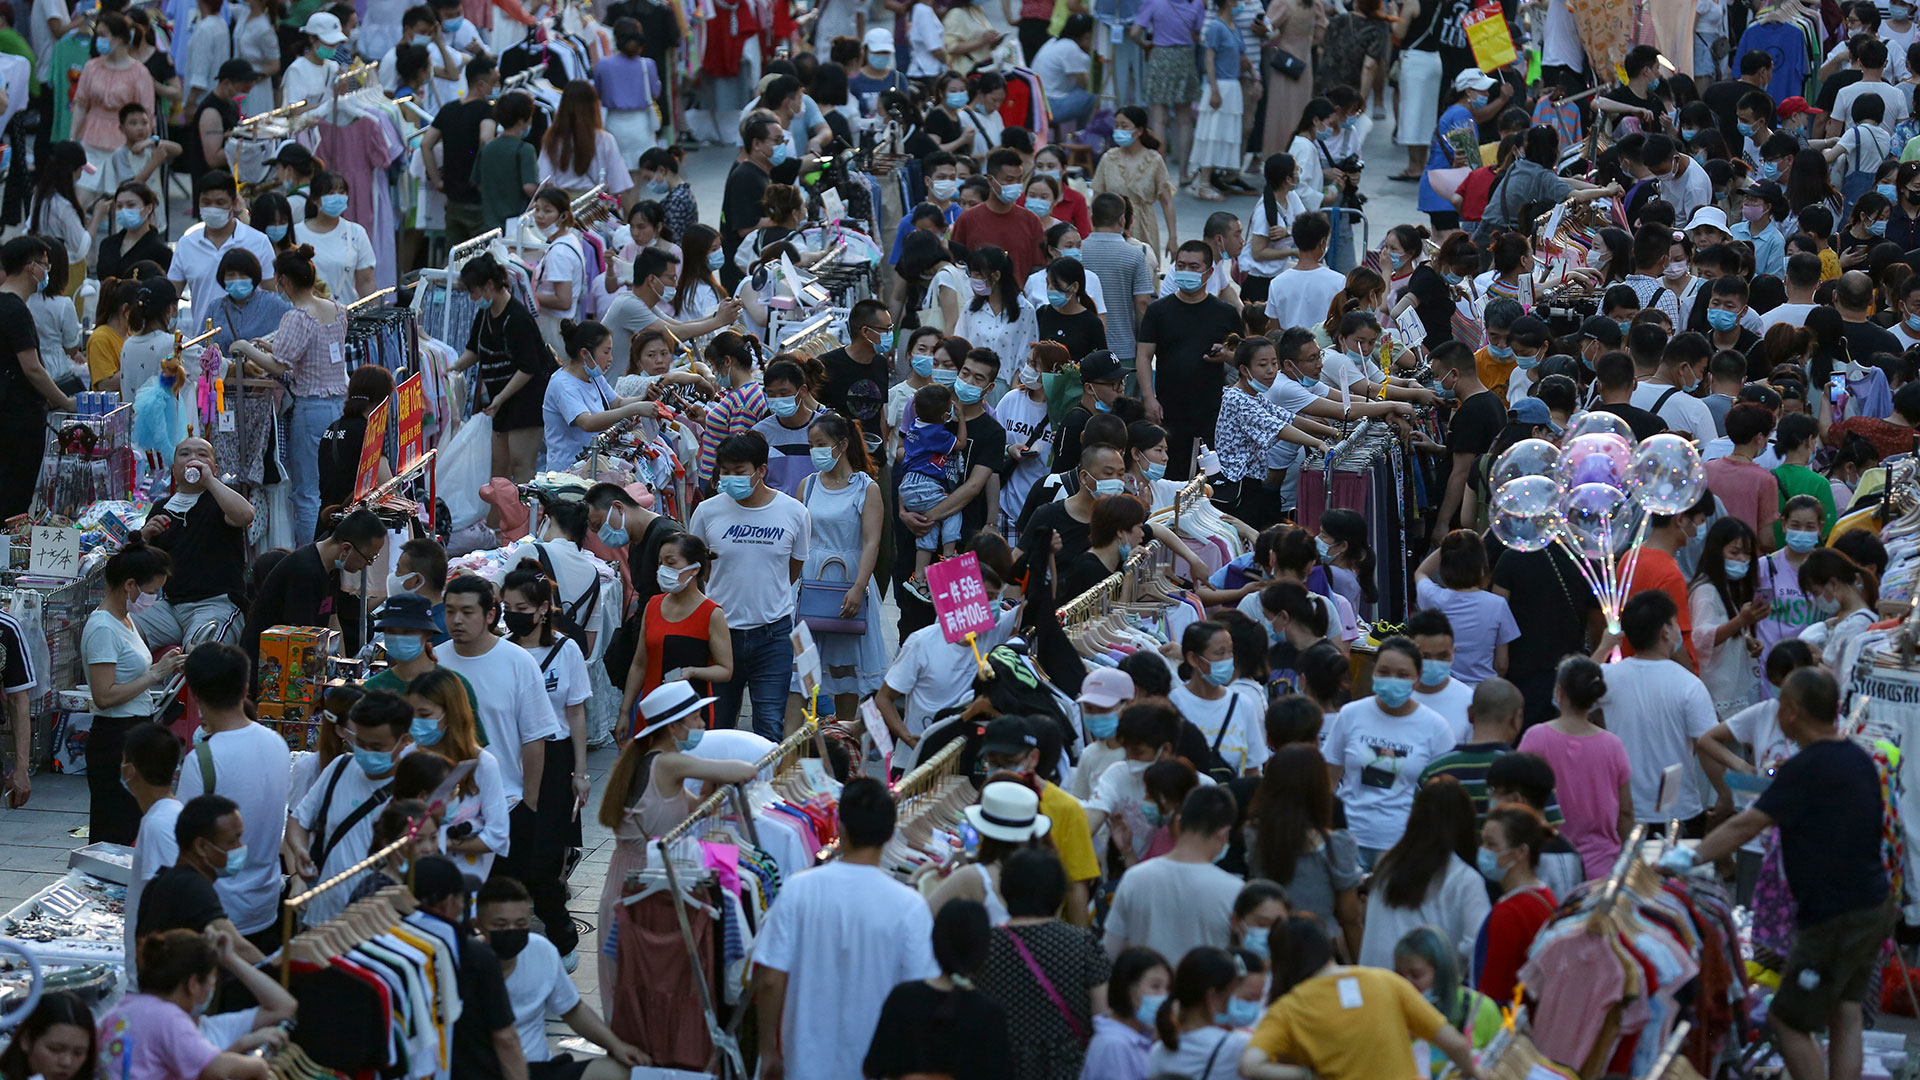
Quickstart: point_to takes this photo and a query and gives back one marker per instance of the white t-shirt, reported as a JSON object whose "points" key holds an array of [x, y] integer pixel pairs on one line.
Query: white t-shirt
{"points": [[1758, 726], [1451, 702], [607, 167], [43, 42], [1791, 314], [513, 704], [1244, 744], [1456, 903], [487, 809], [752, 581], [355, 787], [1286, 210], [1562, 46], [107, 640], [154, 849], [1056, 63], [932, 674], [250, 766], [59, 328], [566, 681], [538, 988], [924, 35], [1887, 92], [1688, 192], [846, 935], [1172, 907], [310, 81], [1658, 709], [337, 253], [1035, 290], [196, 262], [731, 744], [1681, 411], [563, 264], [210, 45], [1299, 298], [1381, 758]]}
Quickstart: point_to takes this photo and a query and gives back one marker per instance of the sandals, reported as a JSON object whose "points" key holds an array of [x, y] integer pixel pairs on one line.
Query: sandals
{"points": [[1405, 176], [1208, 193]]}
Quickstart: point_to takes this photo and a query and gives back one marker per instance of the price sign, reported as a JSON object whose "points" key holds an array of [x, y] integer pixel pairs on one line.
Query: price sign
{"points": [[55, 552], [412, 398], [960, 600], [1487, 34], [373, 446]]}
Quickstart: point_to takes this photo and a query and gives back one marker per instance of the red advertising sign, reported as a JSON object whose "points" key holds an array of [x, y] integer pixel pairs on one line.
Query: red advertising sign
{"points": [[373, 446], [412, 398], [960, 600]]}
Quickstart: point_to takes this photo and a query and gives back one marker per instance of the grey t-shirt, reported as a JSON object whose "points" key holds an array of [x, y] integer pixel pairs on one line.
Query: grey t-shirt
{"points": [[1318, 876]]}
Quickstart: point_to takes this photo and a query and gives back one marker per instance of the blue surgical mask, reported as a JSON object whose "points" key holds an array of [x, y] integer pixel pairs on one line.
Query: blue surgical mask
{"points": [[887, 338], [1913, 323], [422, 40], [667, 294], [1056, 298], [1101, 406], [236, 862], [1876, 228], [1527, 363], [1156, 470], [823, 457], [1769, 170], [1010, 193], [1803, 539], [1737, 568], [128, 218], [735, 487], [1744, 128], [239, 290], [1435, 672], [426, 730], [692, 740], [1258, 386], [1892, 193], [1476, 99], [658, 187], [1254, 940], [956, 99], [333, 204], [404, 647], [102, 46], [373, 762], [1721, 319], [1123, 136], [1396, 260], [1324, 549], [779, 156], [1689, 134], [1187, 280], [612, 537], [1038, 206], [1392, 692], [716, 259], [1104, 488], [1240, 1013], [1126, 549], [1450, 277], [783, 406], [1220, 672], [1306, 380], [1070, 253], [1150, 1004], [1488, 861], [453, 25], [1101, 725], [1151, 813], [922, 365], [946, 377], [967, 393], [276, 233], [1500, 352]]}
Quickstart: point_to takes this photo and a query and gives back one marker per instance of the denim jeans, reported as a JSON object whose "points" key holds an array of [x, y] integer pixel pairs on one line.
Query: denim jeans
{"points": [[921, 493], [311, 415], [762, 670], [1073, 107]]}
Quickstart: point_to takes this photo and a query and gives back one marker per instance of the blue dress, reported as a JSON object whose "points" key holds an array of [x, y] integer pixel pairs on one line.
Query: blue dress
{"points": [[849, 663]]}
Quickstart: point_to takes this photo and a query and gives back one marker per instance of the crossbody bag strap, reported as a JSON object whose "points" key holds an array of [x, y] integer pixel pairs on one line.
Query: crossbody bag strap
{"points": [[1206, 1071], [372, 803], [204, 754], [1046, 986], [1233, 702]]}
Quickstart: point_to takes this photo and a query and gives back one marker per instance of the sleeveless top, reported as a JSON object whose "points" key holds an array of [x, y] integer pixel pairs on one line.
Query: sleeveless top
{"points": [[653, 813], [673, 644], [996, 907]]}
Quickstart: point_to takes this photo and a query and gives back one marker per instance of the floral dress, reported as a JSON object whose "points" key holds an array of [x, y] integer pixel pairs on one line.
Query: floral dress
{"points": [[1141, 177]]}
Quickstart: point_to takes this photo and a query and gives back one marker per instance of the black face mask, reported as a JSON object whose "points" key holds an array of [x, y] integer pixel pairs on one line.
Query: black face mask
{"points": [[1911, 196], [508, 944], [520, 623]]}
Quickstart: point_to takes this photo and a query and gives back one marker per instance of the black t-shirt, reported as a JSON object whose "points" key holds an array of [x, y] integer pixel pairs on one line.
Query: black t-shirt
{"points": [[1864, 339], [1553, 618], [18, 397], [1433, 302], [1073, 534], [229, 110], [740, 206], [1476, 424], [340, 458], [940, 126], [643, 555], [506, 345], [209, 555], [1826, 801], [1081, 573], [1182, 334], [986, 448], [1081, 334], [115, 256], [855, 389], [1723, 98], [1066, 446], [1624, 95], [459, 125], [1640, 420], [15, 673], [957, 1033], [177, 898], [298, 592], [484, 1009]]}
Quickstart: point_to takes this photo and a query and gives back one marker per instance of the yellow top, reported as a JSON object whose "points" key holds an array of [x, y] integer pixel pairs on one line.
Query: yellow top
{"points": [[1354, 1023], [1070, 835], [103, 354]]}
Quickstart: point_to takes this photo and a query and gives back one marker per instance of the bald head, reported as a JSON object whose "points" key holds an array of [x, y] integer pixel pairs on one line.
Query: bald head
{"points": [[1495, 711], [1809, 705], [195, 454]]}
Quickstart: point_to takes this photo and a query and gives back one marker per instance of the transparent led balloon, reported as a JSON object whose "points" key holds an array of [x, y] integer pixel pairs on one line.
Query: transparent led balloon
{"points": [[1527, 496], [1527, 532], [1665, 474], [1595, 458], [1528, 457], [1596, 422], [1598, 519]]}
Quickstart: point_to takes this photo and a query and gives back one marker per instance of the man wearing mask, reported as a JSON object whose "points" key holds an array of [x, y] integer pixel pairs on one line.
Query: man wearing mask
{"points": [[1101, 467], [634, 308], [410, 635], [1011, 745], [538, 987], [196, 255], [305, 588], [1181, 900], [420, 568], [332, 828], [182, 896], [1002, 221], [857, 373], [206, 517], [1186, 332], [628, 535], [877, 73], [765, 144], [485, 1041]]}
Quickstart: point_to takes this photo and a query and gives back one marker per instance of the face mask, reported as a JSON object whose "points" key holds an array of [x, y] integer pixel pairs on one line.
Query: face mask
{"points": [[325, 52], [1721, 319], [957, 99], [453, 25], [1745, 129], [1737, 568], [1689, 134], [946, 377], [1052, 174], [520, 623], [779, 155], [1123, 136], [1242, 1013], [1038, 206], [1396, 260], [880, 61], [422, 40], [240, 290], [667, 294], [1125, 549], [783, 406], [1324, 549], [716, 259], [1101, 406], [944, 189], [736, 487], [1258, 386], [923, 365], [823, 457], [1435, 672], [1101, 725], [1676, 270], [1187, 280], [1156, 470], [426, 730], [373, 762], [1104, 488], [1450, 277], [1899, 11], [980, 287], [1070, 253], [276, 233], [508, 944], [1500, 352], [102, 46], [236, 861], [1913, 323], [128, 218], [1150, 812], [1803, 540], [658, 187], [1150, 1003], [1751, 212], [1888, 190], [1527, 363], [1876, 228], [1911, 196], [1488, 861], [614, 536], [692, 740], [669, 579], [1392, 692], [967, 393], [1220, 672], [404, 647], [214, 217], [1056, 298]]}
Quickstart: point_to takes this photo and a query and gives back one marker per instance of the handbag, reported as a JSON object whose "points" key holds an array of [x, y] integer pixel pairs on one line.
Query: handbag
{"points": [[1287, 64], [818, 604]]}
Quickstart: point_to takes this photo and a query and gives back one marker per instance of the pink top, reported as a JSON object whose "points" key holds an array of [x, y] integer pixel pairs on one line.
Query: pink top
{"points": [[1751, 493], [102, 90], [315, 351], [149, 1038], [1588, 773]]}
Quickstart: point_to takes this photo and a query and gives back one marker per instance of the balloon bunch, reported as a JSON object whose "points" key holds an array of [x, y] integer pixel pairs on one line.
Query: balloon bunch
{"points": [[1593, 495]]}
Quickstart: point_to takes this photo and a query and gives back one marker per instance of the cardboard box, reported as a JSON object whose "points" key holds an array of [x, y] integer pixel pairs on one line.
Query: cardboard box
{"points": [[293, 721], [293, 664]]}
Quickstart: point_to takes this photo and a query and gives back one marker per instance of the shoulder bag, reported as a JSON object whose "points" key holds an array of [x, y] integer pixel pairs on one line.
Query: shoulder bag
{"points": [[1046, 986]]}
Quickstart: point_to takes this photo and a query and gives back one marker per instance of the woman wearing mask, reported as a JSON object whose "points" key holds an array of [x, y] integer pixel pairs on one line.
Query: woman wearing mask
{"points": [[528, 597], [120, 671], [1051, 161], [683, 633], [646, 790], [506, 342], [986, 92], [1469, 94], [578, 154], [784, 208], [133, 238], [662, 183], [1777, 575], [1068, 319], [944, 121], [922, 349], [474, 828], [342, 251], [792, 385], [1042, 195], [1378, 792], [1319, 185], [1346, 559], [308, 345], [1794, 440], [943, 1026], [1269, 249], [1403, 249], [1459, 590], [1594, 780], [1136, 171], [107, 82], [57, 322], [1841, 586], [56, 201], [1296, 836], [273, 214], [997, 318], [1725, 611], [742, 402], [1123, 1035], [561, 281], [1426, 959], [1903, 224], [847, 517], [697, 294], [1424, 879], [1866, 225], [407, 632], [247, 311], [1203, 1026], [939, 281], [579, 403], [1230, 721], [1509, 857], [1049, 1045], [310, 77], [156, 1032]]}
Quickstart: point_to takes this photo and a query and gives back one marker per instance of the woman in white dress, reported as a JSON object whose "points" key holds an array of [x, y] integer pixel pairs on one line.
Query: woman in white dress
{"points": [[256, 42]]}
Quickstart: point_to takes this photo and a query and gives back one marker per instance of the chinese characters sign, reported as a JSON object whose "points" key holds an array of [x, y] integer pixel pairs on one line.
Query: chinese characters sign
{"points": [[55, 551], [960, 600], [412, 398], [373, 447]]}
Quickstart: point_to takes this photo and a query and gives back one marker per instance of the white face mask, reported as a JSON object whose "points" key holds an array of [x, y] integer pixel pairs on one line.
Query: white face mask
{"points": [[671, 580], [215, 217]]}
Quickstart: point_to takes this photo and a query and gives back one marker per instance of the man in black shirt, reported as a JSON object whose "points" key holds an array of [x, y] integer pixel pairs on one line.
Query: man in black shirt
{"points": [[218, 110], [1100, 466], [1614, 380], [857, 375], [1723, 97], [1555, 615], [1635, 96], [485, 1045], [976, 495], [746, 184], [1853, 299], [1186, 332], [182, 897], [304, 590], [204, 527], [27, 391], [459, 129], [1476, 422]]}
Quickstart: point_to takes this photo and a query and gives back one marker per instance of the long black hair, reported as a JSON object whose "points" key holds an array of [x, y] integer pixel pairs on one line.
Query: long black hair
{"points": [[987, 259], [64, 158]]}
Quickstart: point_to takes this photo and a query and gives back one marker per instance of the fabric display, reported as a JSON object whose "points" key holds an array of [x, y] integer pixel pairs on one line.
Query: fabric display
{"points": [[1371, 472]]}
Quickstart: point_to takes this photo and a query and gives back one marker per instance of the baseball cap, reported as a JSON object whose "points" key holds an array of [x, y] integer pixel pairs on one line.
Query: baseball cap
{"points": [[324, 26], [1601, 329], [1008, 735], [1796, 105], [1100, 365], [239, 71], [1764, 189], [1472, 79], [878, 39], [1106, 687], [1530, 410]]}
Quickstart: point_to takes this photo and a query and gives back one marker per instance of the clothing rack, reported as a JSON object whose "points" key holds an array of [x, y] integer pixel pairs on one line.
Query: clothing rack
{"points": [[922, 779], [294, 904], [371, 297], [1099, 599]]}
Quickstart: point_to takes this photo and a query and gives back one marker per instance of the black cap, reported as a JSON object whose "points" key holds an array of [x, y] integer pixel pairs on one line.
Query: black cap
{"points": [[1601, 329], [1008, 735], [436, 877], [1101, 366], [293, 155], [1765, 189], [1765, 395], [239, 71]]}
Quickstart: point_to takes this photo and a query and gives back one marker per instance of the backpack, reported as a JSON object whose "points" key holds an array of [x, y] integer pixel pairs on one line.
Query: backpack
{"points": [[570, 617]]}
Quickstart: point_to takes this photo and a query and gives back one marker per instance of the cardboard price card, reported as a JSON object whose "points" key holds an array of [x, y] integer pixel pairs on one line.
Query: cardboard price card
{"points": [[1487, 34], [960, 600], [412, 399], [55, 551], [373, 446]]}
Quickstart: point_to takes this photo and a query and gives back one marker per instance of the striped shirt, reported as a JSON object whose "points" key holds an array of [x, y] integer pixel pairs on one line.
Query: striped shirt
{"points": [[736, 411]]}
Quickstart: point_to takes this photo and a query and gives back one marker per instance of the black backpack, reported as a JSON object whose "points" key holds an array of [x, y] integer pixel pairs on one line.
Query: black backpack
{"points": [[570, 617]]}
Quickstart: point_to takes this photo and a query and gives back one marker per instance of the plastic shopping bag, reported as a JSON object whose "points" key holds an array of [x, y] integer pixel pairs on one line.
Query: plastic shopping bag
{"points": [[463, 467]]}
